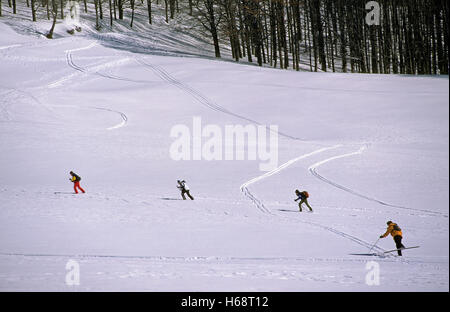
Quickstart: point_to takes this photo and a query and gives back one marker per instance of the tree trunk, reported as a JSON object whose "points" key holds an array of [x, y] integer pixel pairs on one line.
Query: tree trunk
{"points": [[55, 15], [149, 8], [97, 25], [132, 12], [320, 37], [100, 6], [167, 10], [172, 8], [120, 8], [213, 26], [33, 10], [110, 13]]}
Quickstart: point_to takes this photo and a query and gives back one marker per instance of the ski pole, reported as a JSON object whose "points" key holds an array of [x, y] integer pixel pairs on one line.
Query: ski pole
{"points": [[374, 244]]}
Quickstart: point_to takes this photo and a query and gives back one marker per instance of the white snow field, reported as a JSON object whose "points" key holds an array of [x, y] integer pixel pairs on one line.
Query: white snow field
{"points": [[368, 148]]}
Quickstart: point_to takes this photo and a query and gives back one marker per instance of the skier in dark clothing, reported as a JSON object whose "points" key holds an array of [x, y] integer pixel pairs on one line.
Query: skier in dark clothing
{"points": [[76, 182], [397, 234], [303, 197], [182, 186]]}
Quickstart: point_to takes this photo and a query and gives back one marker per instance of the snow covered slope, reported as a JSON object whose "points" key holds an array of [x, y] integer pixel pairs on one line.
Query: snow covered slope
{"points": [[367, 148]]}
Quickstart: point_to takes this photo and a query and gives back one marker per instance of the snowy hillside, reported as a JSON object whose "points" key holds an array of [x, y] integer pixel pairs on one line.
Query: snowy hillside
{"points": [[367, 148], [182, 37]]}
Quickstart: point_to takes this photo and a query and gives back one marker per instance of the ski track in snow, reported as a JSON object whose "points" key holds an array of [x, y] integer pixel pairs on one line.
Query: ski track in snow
{"points": [[195, 258], [313, 170], [5, 104], [4, 108], [94, 71], [10, 46], [45, 43], [122, 115], [202, 99], [8, 102], [83, 70], [124, 118], [260, 205], [256, 201]]}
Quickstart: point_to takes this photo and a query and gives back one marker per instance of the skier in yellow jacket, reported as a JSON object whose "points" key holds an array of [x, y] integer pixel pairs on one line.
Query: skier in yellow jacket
{"points": [[396, 233]]}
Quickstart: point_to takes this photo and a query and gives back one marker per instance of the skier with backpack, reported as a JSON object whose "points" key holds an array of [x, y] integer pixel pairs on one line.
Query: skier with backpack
{"points": [[182, 186], [303, 197], [75, 179], [397, 234]]}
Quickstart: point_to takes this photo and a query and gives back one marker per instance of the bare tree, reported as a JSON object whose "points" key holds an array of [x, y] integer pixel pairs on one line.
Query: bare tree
{"points": [[110, 13], [132, 12], [33, 10], [54, 13], [97, 25], [207, 17], [149, 9]]}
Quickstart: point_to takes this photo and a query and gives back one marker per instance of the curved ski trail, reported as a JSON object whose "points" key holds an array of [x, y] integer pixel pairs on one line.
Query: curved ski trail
{"points": [[202, 99], [313, 170], [260, 205]]}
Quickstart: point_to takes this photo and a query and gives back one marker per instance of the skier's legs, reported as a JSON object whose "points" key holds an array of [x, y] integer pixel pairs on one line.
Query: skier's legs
{"points": [[182, 194], [189, 194], [398, 243], [300, 205], [80, 188], [307, 204]]}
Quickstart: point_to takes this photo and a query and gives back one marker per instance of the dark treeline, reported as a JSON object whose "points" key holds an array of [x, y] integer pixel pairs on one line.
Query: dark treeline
{"points": [[406, 37]]}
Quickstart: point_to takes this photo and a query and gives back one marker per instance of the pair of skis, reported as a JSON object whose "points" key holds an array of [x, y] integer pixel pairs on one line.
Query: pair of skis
{"points": [[385, 252], [394, 250]]}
